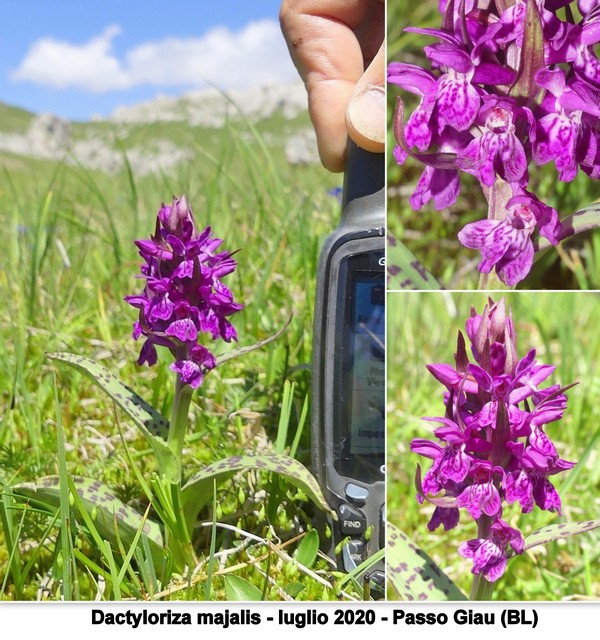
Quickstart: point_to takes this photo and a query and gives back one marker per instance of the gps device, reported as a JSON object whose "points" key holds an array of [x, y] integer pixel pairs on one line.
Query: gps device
{"points": [[348, 407]]}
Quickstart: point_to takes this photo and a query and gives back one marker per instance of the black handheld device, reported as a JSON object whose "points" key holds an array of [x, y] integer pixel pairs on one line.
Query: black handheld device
{"points": [[348, 406]]}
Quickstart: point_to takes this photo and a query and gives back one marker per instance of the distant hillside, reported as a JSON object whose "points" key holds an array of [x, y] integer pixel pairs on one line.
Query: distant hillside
{"points": [[156, 135], [212, 108], [14, 119]]}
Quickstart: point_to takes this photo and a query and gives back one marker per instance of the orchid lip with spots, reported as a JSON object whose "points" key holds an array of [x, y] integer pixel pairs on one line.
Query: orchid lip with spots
{"points": [[510, 85]]}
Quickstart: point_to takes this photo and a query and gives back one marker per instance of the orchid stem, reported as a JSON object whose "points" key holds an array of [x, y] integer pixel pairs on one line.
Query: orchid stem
{"points": [[491, 282], [179, 420], [179, 535], [481, 589], [497, 196]]}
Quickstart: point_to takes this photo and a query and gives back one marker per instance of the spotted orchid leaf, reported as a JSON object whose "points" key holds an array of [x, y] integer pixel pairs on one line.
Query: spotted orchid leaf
{"points": [[112, 517], [556, 531], [143, 414], [413, 574], [153, 425], [404, 271], [198, 490]]}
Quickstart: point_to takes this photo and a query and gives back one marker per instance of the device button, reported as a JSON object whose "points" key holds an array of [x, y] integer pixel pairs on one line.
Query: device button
{"points": [[356, 494], [353, 522], [353, 553], [377, 583]]}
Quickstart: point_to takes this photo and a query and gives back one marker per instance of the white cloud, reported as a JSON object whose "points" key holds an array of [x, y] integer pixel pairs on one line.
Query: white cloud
{"points": [[254, 55], [89, 66]]}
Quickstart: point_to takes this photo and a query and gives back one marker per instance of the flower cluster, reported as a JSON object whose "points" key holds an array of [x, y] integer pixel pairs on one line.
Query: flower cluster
{"points": [[511, 83], [492, 448], [184, 295]]}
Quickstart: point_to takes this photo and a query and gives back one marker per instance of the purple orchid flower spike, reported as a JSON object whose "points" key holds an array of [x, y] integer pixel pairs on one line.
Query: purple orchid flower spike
{"points": [[184, 296], [509, 85], [492, 451]]}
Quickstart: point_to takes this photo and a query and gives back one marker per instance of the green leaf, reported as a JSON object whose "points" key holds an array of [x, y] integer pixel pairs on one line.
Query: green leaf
{"points": [[113, 518], [198, 490], [362, 570], [307, 550], [405, 271], [413, 574], [238, 588], [153, 425], [556, 531]]}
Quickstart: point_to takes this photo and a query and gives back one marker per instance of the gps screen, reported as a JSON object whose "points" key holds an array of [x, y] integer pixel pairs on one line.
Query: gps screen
{"points": [[359, 406]]}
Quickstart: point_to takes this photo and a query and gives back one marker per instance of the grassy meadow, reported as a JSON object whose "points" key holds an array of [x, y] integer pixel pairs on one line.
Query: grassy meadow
{"points": [[68, 260], [562, 327]]}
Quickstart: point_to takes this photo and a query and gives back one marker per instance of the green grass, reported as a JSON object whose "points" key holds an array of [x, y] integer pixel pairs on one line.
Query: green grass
{"points": [[422, 329], [69, 261], [13, 119]]}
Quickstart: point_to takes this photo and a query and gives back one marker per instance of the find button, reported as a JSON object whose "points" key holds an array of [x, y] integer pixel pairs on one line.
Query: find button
{"points": [[352, 521]]}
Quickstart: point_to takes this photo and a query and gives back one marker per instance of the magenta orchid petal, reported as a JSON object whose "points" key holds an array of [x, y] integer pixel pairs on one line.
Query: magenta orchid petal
{"points": [[454, 464], [489, 555], [498, 151], [425, 448], [447, 517], [557, 141], [161, 309], [505, 245], [190, 372], [445, 374], [457, 101], [148, 353], [518, 487], [441, 185], [480, 498], [546, 496]]}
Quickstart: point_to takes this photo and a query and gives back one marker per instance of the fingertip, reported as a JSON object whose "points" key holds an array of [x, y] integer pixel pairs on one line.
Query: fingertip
{"points": [[366, 118]]}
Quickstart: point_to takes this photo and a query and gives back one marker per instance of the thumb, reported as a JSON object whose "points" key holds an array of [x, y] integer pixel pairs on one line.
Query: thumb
{"points": [[366, 112]]}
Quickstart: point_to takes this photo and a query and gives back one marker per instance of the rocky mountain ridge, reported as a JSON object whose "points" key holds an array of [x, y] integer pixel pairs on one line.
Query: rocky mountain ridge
{"points": [[213, 108], [54, 138]]}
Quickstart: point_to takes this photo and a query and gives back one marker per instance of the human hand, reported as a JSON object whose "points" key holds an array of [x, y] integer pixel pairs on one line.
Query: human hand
{"points": [[338, 49]]}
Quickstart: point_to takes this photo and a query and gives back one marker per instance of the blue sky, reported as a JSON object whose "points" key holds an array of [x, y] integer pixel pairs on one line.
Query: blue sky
{"points": [[80, 58]]}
